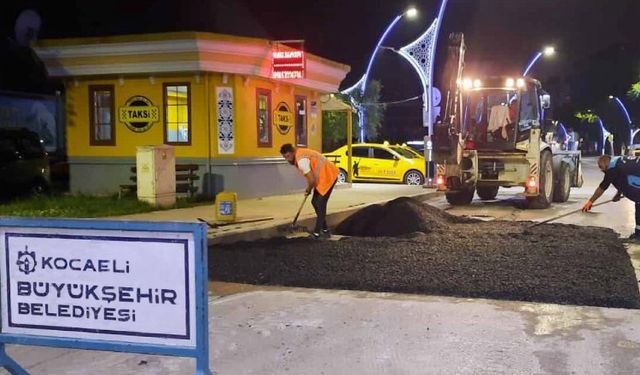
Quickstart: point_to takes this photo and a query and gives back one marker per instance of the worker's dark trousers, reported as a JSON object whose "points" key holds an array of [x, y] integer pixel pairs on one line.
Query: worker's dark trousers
{"points": [[634, 195], [637, 219], [319, 203]]}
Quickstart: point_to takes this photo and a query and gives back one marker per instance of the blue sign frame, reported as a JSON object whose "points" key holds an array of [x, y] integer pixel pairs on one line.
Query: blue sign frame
{"points": [[201, 350]]}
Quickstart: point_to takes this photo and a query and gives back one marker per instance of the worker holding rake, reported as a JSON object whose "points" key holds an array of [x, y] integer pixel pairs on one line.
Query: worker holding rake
{"points": [[624, 173], [321, 175]]}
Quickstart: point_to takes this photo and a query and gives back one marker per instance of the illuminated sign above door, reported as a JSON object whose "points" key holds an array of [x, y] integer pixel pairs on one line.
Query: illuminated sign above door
{"points": [[288, 62]]}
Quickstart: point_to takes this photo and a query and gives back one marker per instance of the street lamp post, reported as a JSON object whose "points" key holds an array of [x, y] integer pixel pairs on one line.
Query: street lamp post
{"points": [[547, 51], [421, 55], [626, 113], [362, 83]]}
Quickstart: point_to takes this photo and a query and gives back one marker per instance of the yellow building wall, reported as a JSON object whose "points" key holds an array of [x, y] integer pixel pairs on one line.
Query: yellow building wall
{"points": [[245, 104], [78, 120], [203, 115]]}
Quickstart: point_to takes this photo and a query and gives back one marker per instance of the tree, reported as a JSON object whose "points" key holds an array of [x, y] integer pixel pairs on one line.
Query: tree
{"points": [[334, 129], [373, 109], [587, 116], [634, 91], [591, 118], [334, 124]]}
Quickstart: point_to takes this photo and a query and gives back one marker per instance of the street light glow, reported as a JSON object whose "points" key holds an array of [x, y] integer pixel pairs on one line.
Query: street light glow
{"points": [[549, 51], [411, 12]]}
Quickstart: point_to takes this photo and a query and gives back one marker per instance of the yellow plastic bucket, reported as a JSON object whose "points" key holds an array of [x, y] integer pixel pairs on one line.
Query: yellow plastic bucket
{"points": [[226, 206]]}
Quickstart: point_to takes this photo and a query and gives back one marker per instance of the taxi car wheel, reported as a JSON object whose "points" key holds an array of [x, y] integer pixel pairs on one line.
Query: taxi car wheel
{"points": [[413, 177], [342, 176]]}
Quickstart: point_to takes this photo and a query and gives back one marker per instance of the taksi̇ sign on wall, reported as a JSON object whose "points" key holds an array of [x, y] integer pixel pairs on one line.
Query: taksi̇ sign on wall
{"points": [[283, 118], [138, 114]]}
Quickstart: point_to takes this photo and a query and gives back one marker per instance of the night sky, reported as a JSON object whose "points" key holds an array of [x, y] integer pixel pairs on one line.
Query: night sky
{"points": [[597, 41]]}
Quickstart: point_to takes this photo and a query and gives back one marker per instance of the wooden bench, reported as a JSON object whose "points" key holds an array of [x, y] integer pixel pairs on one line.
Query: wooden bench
{"points": [[186, 175]]}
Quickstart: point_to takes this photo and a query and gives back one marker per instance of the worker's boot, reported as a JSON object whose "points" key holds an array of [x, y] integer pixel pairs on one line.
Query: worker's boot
{"points": [[316, 236], [326, 233]]}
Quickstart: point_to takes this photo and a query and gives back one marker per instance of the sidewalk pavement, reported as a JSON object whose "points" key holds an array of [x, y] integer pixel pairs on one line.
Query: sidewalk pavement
{"points": [[309, 332], [282, 208]]}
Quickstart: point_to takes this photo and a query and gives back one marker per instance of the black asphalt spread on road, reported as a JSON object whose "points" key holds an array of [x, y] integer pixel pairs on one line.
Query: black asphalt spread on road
{"points": [[416, 248]]}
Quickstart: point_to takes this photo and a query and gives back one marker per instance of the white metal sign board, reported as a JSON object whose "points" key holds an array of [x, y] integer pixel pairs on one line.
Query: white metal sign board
{"points": [[99, 285], [138, 287]]}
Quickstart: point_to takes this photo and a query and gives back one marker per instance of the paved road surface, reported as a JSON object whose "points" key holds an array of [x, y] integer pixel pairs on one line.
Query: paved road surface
{"points": [[507, 206]]}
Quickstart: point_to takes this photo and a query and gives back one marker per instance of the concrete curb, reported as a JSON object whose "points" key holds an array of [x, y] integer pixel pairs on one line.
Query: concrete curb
{"points": [[277, 228]]}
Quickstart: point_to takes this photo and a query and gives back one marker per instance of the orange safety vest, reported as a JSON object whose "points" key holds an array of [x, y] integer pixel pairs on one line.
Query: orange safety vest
{"points": [[324, 171]]}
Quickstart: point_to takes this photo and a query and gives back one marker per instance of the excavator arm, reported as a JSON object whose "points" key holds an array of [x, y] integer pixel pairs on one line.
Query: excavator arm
{"points": [[447, 131]]}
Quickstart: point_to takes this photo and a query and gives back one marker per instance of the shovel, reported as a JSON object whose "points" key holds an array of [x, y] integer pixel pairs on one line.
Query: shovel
{"points": [[293, 228]]}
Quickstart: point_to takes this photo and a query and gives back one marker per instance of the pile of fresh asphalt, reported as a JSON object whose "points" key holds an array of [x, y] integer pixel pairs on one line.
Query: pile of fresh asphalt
{"points": [[409, 247]]}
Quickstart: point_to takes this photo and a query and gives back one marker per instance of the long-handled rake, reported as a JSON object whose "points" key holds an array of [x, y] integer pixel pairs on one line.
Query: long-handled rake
{"points": [[565, 214]]}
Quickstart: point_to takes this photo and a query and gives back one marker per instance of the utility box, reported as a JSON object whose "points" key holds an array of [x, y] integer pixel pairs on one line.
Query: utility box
{"points": [[156, 175]]}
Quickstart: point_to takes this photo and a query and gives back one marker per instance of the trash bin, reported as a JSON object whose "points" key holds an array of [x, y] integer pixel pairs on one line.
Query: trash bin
{"points": [[226, 206]]}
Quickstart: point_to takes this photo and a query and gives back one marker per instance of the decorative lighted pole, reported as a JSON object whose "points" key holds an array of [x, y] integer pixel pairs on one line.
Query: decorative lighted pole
{"points": [[547, 51], [421, 55], [626, 114], [362, 82], [605, 136]]}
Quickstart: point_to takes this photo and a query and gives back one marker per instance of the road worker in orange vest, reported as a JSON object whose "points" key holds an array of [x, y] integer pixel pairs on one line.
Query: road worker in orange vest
{"points": [[321, 175]]}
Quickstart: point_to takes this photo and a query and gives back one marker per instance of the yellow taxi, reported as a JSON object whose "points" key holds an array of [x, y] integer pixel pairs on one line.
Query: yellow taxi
{"points": [[379, 162]]}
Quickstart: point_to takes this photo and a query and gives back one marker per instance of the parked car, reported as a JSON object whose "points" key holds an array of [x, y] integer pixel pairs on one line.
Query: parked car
{"points": [[24, 164], [379, 162], [415, 152], [418, 146], [633, 150]]}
